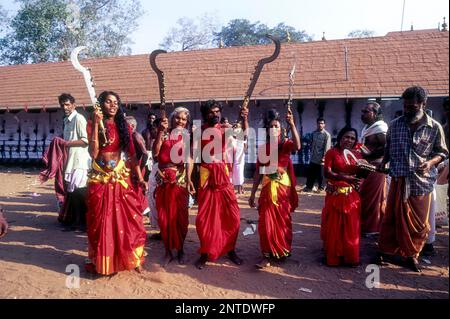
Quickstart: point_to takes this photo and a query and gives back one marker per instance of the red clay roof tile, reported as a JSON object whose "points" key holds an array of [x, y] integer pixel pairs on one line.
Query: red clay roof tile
{"points": [[378, 66]]}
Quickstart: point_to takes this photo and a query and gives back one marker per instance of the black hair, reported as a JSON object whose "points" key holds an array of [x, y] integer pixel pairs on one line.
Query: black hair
{"points": [[119, 119], [66, 97], [207, 106], [377, 110], [273, 115], [151, 125], [320, 119], [341, 134], [416, 93]]}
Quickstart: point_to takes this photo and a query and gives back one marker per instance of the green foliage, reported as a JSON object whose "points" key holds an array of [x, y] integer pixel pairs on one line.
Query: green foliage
{"points": [[48, 30], [361, 34], [241, 32], [3, 19]]}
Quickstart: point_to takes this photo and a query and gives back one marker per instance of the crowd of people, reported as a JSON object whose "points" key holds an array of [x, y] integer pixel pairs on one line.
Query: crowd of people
{"points": [[381, 184]]}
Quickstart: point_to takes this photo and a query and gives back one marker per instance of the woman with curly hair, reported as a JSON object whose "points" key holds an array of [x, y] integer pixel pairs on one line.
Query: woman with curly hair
{"points": [[115, 228], [278, 198], [173, 182]]}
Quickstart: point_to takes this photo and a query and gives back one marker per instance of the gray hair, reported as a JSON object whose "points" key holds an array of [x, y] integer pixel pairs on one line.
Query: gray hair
{"points": [[180, 109], [131, 120], [377, 110]]}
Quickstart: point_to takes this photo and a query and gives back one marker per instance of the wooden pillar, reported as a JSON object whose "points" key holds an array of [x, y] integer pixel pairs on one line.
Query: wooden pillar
{"points": [[321, 107], [348, 112]]}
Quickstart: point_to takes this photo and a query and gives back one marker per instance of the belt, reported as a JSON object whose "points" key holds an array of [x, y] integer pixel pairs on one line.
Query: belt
{"points": [[336, 190], [117, 175]]}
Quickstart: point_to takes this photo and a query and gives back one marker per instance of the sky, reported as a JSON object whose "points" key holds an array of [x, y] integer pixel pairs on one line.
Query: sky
{"points": [[336, 18]]}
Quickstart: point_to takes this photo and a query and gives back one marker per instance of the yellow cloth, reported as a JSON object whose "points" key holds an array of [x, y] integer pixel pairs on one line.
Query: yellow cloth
{"points": [[275, 181], [117, 175], [344, 190], [204, 174]]}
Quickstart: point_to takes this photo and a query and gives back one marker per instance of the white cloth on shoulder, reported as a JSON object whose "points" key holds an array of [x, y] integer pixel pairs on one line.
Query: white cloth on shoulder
{"points": [[376, 128]]}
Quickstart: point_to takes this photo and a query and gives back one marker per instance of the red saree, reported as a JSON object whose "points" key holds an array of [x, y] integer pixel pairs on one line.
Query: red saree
{"points": [[218, 218], [340, 228], [172, 200], [278, 199], [115, 228]]}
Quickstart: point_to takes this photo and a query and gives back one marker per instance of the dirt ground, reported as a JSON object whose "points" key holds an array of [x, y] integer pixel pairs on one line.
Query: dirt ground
{"points": [[35, 253]]}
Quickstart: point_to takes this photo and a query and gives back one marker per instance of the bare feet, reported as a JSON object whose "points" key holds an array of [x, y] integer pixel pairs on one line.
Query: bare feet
{"points": [[167, 259], [138, 269], [234, 258], [201, 262], [413, 264], [90, 268], [379, 259], [263, 263], [180, 256]]}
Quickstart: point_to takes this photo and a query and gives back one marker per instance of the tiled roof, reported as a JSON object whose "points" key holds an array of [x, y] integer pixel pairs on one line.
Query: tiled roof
{"points": [[377, 66]]}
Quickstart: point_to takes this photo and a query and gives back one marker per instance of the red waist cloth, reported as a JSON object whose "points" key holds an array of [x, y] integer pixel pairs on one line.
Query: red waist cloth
{"points": [[54, 159], [340, 228], [283, 161], [115, 228], [218, 218], [275, 224], [173, 217]]}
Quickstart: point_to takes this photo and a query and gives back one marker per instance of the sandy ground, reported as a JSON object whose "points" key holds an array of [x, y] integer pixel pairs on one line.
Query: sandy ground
{"points": [[35, 253]]}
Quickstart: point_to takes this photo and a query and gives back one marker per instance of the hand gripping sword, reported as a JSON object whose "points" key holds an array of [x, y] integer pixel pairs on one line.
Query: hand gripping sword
{"points": [[362, 164]]}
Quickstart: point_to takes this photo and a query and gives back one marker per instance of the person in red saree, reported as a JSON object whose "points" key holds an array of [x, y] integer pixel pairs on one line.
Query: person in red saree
{"points": [[278, 198], [340, 226], [218, 218], [116, 233], [173, 182]]}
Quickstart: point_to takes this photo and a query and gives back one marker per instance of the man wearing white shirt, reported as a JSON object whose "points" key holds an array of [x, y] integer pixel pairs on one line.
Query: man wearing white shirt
{"points": [[73, 214]]}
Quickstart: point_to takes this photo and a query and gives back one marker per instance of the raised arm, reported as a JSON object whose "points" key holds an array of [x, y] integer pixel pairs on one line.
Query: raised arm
{"points": [[159, 137], [94, 142], [295, 137]]}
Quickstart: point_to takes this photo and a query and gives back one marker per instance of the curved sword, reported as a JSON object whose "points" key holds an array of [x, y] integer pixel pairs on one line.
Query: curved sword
{"points": [[85, 71], [259, 68], [90, 86], [161, 84], [361, 163]]}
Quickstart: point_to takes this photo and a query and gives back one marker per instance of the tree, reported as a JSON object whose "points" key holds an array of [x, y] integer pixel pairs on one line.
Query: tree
{"points": [[241, 32], [190, 34], [3, 19], [361, 34], [281, 31], [47, 30]]}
